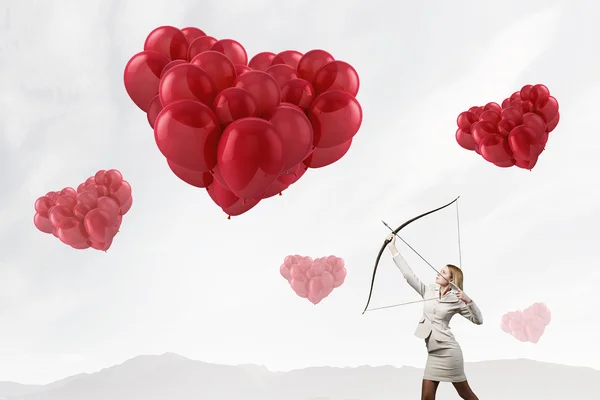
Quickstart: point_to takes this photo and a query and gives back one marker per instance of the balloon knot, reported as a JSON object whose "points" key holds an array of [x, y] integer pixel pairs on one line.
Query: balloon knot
{"points": [[280, 193], [229, 217]]}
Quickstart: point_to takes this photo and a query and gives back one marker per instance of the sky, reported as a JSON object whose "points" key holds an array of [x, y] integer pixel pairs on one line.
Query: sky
{"points": [[180, 277]]}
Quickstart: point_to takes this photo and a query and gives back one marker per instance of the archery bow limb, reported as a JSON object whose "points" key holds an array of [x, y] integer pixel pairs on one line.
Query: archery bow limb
{"points": [[385, 243]]}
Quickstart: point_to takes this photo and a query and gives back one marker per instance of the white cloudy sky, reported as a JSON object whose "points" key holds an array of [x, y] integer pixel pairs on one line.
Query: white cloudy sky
{"points": [[180, 277]]}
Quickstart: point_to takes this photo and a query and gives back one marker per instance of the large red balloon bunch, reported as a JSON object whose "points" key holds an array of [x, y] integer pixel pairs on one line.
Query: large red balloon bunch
{"points": [[89, 216], [514, 133], [243, 129]]}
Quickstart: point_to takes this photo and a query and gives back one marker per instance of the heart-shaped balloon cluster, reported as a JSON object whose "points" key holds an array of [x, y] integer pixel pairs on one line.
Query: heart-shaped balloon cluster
{"points": [[313, 279], [514, 133], [244, 130], [527, 325], [89, 216]]}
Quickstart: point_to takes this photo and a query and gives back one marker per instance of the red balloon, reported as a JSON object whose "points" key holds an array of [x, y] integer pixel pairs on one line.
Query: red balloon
{"points": [[527, 164], [233, 50], [525, 92], [98, 225], [87, 198], [261, 61], [42, 223], [298, 92], [200, 45], [170, 65], [142, 76], [505, 164], [241, 69], [66, 201], [154, 108], [552, 124], [506, 103], [465, 140], [547, 109], [513, 114], [538, 94], [168, 41], [290, 105], [71, 231], [82, 246], [186, 82], [192, 33], [288, 57], [112, 179], [69, 191], [217, 176], [240, 207], [465, 120], [490, 116], [296, 134], [535, 123], [250, 156], [120, 194], [111, 206], [524, 142], [125, 207], [218, 67], [282, 73], [494, 148], [232, 104], [100, 245], [187, 133], [322, 157], [80, 210], [42, 204], [505, 126], [197, 179], [96, 190], [336, 117], [294, 175], [493, 107], [263, 87], [221, 195], [57, 214], [310, 63], [481, 129], [276, 188], [516, 96], [336, 75]]}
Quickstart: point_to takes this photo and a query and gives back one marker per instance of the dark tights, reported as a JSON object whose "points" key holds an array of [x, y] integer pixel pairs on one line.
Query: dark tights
{"points": [[429, 388]]}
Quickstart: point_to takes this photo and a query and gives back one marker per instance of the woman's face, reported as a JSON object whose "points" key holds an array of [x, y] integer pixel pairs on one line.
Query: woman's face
{"points": [[445, 273]]}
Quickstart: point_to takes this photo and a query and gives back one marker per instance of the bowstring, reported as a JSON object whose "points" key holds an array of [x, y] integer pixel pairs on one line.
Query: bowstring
{"points": [[428, 263]]}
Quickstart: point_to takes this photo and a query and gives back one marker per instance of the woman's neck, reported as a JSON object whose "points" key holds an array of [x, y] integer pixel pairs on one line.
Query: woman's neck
{"points": [[444, 290]]}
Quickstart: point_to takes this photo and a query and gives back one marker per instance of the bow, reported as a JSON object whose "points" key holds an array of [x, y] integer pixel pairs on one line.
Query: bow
{"points": [[385, 243]]}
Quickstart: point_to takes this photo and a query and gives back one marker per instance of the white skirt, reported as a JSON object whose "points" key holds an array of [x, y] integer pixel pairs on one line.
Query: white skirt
{"points": [[444, 361]]}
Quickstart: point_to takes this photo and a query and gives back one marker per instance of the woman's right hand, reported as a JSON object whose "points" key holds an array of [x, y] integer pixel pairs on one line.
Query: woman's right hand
{"points": [[391, 239]]}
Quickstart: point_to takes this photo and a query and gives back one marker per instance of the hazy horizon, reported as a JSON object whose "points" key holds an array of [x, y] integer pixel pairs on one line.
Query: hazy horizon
{"points": [[180, 277]]}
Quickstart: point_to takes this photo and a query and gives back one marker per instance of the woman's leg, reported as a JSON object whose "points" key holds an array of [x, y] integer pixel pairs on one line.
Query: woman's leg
{"points": [[428, 389], [464, 390]]}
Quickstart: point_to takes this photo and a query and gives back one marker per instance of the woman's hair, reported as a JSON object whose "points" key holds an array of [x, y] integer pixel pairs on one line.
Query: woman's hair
{"points": [[456, 275]]}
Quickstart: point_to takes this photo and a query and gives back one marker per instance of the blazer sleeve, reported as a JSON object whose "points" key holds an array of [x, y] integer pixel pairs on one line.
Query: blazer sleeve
{"points": [[409, 275], [471, 312]]}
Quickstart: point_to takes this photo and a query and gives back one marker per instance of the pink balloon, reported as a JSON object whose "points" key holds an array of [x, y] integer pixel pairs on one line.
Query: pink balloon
{"points": [[109, 205], [70, 231], [121, 193], [66, 201], [98, 225], [42, 223], [57, 214], [80, 210], [527, 325], [125, 207]]}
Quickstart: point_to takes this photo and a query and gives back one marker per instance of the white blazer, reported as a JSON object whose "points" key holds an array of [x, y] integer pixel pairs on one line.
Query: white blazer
{"points": [[437, 313]]}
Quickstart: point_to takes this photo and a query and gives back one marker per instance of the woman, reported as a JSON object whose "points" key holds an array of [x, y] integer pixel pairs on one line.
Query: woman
{"points": [[445, 360]]}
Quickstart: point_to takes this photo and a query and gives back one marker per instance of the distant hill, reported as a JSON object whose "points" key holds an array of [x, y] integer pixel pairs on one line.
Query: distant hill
{"points": [[173, 377]]}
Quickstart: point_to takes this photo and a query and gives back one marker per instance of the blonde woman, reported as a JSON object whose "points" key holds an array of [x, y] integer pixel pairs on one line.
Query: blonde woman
{"points": [[445, 298]]}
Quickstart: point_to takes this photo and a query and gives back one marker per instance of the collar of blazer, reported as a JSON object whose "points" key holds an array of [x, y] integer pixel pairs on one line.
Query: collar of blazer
{"points": [[449, 297]]}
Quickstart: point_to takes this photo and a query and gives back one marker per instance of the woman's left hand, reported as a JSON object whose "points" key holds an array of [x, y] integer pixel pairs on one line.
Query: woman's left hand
{"points": [[463, 296]]}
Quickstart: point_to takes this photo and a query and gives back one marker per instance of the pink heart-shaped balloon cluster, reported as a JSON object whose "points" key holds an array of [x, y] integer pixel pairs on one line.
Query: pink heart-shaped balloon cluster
{"points": [[514, 133], [527, 325], [313, 279], [243, 129], [89, 216]]}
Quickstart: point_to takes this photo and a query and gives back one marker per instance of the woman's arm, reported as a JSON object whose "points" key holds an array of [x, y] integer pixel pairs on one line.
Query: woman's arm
{"points": [[471, 312], [408, 274]]}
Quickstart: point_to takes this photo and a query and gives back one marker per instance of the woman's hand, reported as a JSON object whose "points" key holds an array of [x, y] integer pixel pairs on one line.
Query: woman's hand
{"points": [[462, 296], [391, 238]]}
